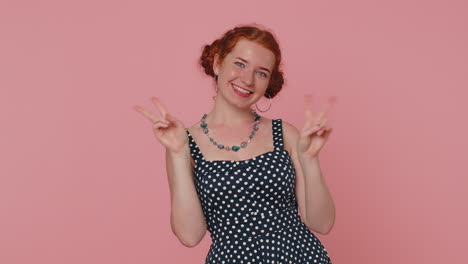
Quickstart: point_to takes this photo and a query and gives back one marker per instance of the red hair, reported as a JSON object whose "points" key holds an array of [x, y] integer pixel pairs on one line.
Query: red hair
{"points": [[226, 43]]}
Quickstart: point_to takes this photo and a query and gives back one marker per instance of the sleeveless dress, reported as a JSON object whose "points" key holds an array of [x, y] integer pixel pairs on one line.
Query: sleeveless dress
{"points": [[251, 210]]}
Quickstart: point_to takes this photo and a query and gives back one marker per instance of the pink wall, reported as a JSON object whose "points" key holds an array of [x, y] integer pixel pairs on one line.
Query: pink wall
{"points": [[82, 178]]}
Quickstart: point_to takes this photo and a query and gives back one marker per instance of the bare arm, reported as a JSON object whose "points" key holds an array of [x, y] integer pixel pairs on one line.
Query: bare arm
{"points": [[187, 219], [314, 200], [319, 206]]}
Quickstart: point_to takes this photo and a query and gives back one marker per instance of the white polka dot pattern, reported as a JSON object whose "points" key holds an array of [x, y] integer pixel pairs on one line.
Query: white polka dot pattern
{"points": [[251, 209]]}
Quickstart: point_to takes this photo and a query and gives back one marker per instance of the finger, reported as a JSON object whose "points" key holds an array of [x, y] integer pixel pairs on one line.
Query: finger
{"points": [[323, 122], [320, 132], [310, 131], [169, 118], [326, 131], [308, 116], [308, 107], [312, 125], [328, 106], [159, 124], [146, 113], [160, 106], [316, 127]]}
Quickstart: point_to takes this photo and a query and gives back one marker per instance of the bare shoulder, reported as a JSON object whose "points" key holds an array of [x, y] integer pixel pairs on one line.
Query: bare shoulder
{"points": [[290, 135], [193, 128], [290, 130]]}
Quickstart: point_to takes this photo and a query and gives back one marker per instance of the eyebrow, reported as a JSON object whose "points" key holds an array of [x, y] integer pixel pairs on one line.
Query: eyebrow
{"points": [[244, 60]]}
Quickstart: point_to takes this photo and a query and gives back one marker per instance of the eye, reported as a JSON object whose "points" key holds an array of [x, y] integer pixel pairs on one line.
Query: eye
{"points": [[263, 74], [240, 64]]}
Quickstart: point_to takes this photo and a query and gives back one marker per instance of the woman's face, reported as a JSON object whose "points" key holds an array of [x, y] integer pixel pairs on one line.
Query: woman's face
{"points": [[244, 75]]}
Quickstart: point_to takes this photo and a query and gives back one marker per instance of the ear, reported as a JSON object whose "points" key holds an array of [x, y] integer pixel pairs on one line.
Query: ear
{"points": [[215, 64]]}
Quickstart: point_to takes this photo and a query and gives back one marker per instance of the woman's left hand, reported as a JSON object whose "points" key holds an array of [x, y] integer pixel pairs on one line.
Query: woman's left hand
{"points": [[315, 133]]}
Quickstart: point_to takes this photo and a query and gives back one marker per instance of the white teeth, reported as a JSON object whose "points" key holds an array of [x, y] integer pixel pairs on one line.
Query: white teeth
{"points": [[241, 90]]}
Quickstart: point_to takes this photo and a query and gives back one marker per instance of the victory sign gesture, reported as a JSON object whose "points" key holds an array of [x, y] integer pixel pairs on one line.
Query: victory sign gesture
{"points": [[168, 130], [315, 132]]}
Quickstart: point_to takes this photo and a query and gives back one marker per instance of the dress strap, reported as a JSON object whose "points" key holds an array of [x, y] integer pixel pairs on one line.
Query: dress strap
{"points": [[194, 150], [277, 127]]}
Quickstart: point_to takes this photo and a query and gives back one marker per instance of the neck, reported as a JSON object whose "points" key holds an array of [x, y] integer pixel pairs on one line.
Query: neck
{"points": [[226, 114]]}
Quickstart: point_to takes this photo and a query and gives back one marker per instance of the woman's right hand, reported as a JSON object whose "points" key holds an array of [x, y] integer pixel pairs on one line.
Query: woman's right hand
{"points": [[167, 129]]}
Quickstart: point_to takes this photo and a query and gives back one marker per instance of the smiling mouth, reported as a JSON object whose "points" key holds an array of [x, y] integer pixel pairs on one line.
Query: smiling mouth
{"points": [[241, 90]]}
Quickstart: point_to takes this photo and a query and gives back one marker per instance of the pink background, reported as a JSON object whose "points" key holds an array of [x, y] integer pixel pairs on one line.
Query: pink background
{"points": [[83, 178]]}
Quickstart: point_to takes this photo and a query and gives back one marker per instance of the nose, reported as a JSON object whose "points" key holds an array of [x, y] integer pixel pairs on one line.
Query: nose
{"points": [[248, 78]]}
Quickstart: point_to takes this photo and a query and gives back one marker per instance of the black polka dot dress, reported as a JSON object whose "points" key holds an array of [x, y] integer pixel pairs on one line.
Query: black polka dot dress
{"points": [[251, 210]]}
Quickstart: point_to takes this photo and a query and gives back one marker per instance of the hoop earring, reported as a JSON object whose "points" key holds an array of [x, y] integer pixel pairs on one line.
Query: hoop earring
{"points": [[267, 108]]}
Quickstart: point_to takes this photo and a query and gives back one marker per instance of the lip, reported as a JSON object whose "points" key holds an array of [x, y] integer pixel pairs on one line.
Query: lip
{"points": [[242, 87], [239, 93]]}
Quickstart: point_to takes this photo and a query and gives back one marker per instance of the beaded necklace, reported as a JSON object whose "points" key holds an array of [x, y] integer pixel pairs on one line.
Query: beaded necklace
{"points": [[243, 144]]}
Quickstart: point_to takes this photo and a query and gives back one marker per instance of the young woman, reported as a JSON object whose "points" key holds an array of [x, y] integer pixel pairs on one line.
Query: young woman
{"points": [[241, 176]]}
